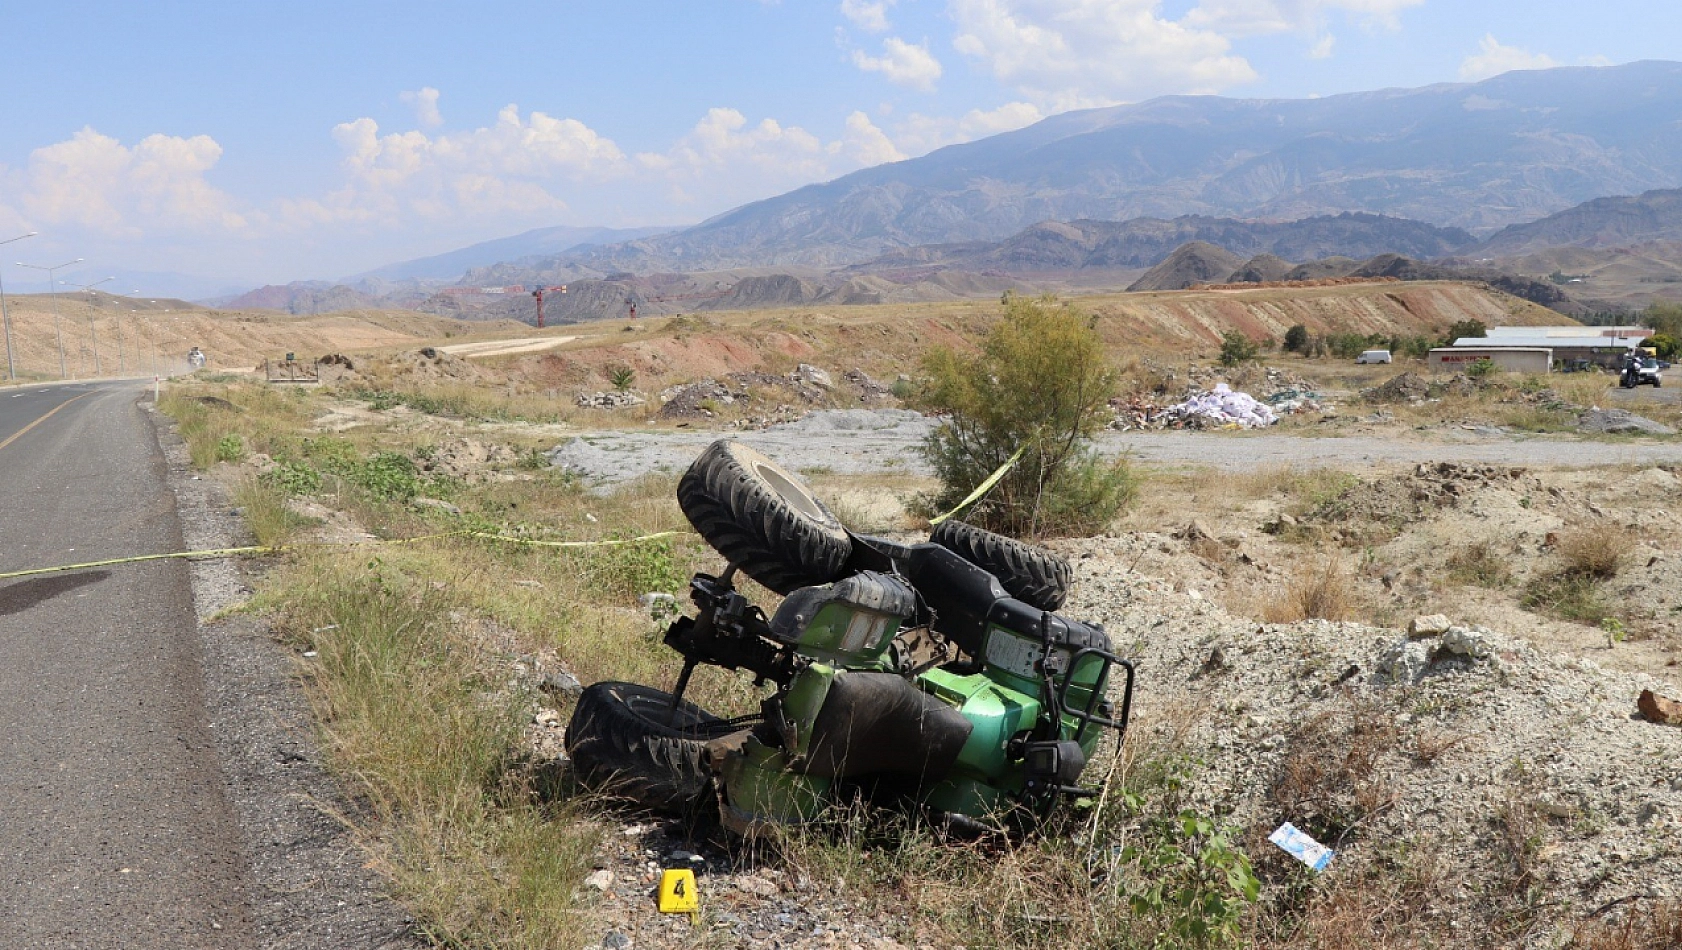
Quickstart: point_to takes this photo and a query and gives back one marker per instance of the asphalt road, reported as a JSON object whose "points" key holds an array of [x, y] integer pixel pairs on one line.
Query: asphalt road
{"points": [[114, 830]]}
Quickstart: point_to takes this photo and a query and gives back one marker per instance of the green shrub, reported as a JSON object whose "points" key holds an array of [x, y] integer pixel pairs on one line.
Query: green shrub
{"points": [[622, 378], [293, 477], [1236, 348], [230, 448], [1478, 369], [1040, 384], [1346, 345], [388, 475], [1296, 339], [1193, 880], [1664, 345]]}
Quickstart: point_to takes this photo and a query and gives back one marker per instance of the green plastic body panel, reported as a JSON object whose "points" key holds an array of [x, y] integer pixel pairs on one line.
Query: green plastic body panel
{"points": [[759, 789], [1011, 661], [801, 702], [997, 713], [848, 637]]}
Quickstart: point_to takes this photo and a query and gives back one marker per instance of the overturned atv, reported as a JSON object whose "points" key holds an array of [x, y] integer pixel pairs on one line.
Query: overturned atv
{"points": [[936, 672]]}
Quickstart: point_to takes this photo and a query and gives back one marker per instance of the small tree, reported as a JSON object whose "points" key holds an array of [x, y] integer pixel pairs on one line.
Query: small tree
{"points": [[1664, 345], [1464, 328], [1664, 317], [1041, 384], [1236, 348], [622, 378], [1296, 339]]}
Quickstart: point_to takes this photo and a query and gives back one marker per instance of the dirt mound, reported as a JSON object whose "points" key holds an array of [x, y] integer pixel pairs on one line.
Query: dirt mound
{"points": [[1408, 387], [1396, 501], [1619, 420], [1262, 267], [427, 364], [1191, 264]]}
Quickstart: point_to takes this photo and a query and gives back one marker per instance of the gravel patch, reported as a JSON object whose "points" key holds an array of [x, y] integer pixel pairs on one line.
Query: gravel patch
{"points": [[863, 441], [1513, 727]]}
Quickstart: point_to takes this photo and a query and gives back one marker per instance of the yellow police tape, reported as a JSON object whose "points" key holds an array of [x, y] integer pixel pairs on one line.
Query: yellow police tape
{"points": [[277, 548], [974, 496], [984, 487]]}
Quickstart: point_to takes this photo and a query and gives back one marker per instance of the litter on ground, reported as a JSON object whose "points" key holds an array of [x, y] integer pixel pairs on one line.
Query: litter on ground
{"points": [[1219, 407]]}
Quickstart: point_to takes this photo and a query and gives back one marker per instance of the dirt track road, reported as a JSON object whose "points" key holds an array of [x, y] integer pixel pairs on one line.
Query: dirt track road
{"points": [[854, 445], [528, 344]]}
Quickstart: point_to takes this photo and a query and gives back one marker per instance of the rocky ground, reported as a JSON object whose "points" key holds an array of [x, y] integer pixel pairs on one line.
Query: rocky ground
{"points": [[1500, 723]]}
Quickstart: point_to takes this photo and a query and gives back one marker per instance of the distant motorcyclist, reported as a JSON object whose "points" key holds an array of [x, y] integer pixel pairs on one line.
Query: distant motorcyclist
{"points": [[1631, 376]]}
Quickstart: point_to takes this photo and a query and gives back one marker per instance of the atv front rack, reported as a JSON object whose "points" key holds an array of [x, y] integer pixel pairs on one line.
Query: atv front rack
{"points": [[1098, 710]]}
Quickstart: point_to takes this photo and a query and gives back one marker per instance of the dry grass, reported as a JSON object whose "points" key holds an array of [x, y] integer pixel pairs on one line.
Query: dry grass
{"points": [[1596, 551], [1479, 565], [415, 718], [1317, 593], [1651, 924], [1330, 780]]}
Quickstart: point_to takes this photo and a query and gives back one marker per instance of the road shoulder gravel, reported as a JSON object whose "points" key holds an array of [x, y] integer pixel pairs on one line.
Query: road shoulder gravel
{"points": [[310, 887]]}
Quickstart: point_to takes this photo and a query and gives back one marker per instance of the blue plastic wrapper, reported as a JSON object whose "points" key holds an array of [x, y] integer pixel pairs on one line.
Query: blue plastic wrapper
{"points": [[1301, 846]]}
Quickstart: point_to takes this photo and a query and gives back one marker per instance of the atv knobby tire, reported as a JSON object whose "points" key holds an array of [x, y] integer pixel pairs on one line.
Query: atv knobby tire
{"points": [[759, 516], [625, 740], [1030, 574]]}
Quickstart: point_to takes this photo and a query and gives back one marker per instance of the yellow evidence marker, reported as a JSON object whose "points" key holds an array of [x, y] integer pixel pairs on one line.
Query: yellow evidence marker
{"points": [[678, 894]]}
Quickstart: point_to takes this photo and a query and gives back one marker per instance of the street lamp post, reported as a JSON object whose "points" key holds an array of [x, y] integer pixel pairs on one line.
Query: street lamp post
{"points": [[93, 332], [51, 290], [5, 318], [122, 360]]}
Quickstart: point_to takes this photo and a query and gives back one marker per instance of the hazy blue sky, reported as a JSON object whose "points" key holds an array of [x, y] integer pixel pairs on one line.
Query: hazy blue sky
{"points": [[269, 142]]}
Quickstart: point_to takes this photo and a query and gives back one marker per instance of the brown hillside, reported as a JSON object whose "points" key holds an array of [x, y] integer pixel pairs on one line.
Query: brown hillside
{"points": [[885, 341], [130, 334]]}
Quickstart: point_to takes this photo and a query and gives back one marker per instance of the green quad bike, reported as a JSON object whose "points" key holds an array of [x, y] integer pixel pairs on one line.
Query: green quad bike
{"points": [[989, 721]]}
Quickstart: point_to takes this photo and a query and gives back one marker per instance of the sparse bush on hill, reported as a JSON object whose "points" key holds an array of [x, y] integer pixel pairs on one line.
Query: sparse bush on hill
{"points": [[1236, 348], [1040, 384]]}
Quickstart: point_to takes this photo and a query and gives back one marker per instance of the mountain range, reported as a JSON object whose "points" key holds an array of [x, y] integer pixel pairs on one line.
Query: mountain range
{"points": [[1478, 156]]}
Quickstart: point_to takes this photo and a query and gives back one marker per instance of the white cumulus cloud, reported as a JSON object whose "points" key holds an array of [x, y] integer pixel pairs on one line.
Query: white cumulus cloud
{"points": [[1065, 54], [509, 166], [425, 103], [1493, 59], [94, 181], [868, 15], [903, 63]]}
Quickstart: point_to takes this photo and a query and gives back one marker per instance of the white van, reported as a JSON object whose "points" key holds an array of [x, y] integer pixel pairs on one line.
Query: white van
{"points": [[1373, 356]]}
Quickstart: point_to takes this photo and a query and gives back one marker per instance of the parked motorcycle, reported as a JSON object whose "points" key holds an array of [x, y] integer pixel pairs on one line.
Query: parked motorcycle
{"points": [[936, 672]]}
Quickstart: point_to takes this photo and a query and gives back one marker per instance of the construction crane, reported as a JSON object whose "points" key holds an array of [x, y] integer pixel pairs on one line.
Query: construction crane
{"points": [[538, 293]]}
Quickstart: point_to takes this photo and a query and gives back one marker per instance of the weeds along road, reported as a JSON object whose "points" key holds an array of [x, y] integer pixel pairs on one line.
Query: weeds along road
{"points": [[114, 831]]}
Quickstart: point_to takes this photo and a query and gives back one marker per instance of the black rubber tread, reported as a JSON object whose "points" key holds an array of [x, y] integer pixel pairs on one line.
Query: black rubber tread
{"points": [[621, 742], [1030, 574], [778, 534]]}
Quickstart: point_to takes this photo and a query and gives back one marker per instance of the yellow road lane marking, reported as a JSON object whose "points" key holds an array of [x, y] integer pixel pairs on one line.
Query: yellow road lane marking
{"points": [[19, 433]]}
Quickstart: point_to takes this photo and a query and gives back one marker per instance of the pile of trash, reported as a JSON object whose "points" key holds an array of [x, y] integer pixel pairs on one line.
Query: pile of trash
{"points": [[1289, 402], [1217, 408], [617, 399]]}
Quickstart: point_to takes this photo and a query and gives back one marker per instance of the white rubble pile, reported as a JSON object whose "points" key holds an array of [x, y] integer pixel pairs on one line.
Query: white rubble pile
{"points": [[1221, 406], [617, 399]]}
